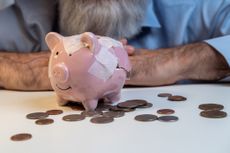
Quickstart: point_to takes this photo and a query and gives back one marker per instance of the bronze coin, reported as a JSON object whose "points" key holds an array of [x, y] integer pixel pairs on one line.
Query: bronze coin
{"points": [[91, 113], [147, 105], [114, 114], [177, 98], [211, 106], [168, 118], [146, 117], [165, 111], [164, 95], [213, 114], [102, 107], [21, 137], [101, 120], [37, 115], [54, 112], [115, 108], [76, 106], [73, 117], [45, 121], [132, 103]]}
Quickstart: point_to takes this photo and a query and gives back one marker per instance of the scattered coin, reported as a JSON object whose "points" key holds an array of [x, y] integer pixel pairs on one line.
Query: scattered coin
{"points": [[73, 117], [37, 115], [164, 95], [102, 107], [177, 98], [54, 112], [45, 121], [165, 111], [21, 137], [115, 108], [101, 120], [132, 103], [114, 114], [77, 106], [211, 106], [213, 114], [91, 113], [147, 105], [168, 118], [146, 117]]}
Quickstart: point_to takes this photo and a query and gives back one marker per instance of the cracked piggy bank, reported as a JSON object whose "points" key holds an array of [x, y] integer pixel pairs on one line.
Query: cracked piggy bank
{"points": [[86, 68]]}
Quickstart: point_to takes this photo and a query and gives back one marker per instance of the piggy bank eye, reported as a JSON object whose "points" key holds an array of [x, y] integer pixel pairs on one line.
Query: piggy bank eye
{"points": [[57, 53], [86, 45]]}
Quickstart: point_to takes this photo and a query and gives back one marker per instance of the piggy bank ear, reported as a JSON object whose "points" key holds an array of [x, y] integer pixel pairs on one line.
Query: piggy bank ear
{"points": [[90, 41], [52, 39]]}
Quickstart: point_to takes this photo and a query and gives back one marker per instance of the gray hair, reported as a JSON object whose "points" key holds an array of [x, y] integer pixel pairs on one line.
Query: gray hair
{"points": [[114, 18]]}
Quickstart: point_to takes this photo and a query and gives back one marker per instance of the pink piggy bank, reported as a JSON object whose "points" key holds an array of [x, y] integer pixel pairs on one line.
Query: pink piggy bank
{"points": [[86, 68]]}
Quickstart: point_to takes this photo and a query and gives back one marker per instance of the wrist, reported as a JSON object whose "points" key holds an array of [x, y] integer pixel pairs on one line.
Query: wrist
{"points": [[199, 61]]}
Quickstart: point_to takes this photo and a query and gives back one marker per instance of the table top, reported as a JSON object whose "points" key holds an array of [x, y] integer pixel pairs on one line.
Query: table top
{"points": [[191, 133]]}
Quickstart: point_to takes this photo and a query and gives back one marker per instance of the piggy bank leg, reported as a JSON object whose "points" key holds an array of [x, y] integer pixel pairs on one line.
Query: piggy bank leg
{"points": [[61, 101], [114, 97], [90, 104]]}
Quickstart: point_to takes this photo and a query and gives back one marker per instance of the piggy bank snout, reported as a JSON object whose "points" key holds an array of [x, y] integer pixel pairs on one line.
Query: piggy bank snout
{"points": [[60, 73]]}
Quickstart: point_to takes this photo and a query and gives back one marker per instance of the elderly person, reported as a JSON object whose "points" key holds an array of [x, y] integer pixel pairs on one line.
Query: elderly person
{"points": [[179, 40]]}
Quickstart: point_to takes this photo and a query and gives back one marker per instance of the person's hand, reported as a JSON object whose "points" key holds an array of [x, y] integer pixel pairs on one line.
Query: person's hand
{"points": [[196, 61], [130, 49]]}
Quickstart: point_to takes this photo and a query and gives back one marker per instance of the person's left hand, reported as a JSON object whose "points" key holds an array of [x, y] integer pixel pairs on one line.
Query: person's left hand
{"points": [[196, 61]]}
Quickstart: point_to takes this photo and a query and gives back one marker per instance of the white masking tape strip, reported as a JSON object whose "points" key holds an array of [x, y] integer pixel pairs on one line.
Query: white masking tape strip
{"points": [[107, 59], [109, 42], [99, 71], [105, 64], [72, 44]]}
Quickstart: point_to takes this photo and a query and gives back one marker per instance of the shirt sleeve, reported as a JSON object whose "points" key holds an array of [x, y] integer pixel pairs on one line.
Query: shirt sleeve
{"points": [[23, 26], [222, 45]]}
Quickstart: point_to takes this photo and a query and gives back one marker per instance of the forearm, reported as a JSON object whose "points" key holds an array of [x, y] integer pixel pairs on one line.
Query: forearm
{"points": [[203, 62], [166, 66], [24, 71]]}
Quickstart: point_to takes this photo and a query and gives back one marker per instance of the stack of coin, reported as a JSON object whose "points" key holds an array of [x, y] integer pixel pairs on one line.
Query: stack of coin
{"points": [[167, 117], [212, 110], [174, 98]]}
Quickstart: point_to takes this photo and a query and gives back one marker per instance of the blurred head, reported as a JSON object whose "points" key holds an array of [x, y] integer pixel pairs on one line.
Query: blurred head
{"points": [[114, 18]]}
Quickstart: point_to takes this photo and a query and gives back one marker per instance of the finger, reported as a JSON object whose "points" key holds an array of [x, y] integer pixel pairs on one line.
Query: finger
{"points": [[130, 50], [124, 41]]}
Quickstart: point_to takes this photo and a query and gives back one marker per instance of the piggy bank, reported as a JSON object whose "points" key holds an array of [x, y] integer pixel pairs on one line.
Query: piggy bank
{"points": [[86, 67]]}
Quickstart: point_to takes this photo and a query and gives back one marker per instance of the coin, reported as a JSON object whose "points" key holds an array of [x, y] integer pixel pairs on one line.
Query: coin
{"points": [[45, 121], [114, 114], [168, 118], [177, 98], [213, 114], [132, 103], [37, 115], [21, 137], [76, 106], [146, 117], [54, 112], [211, 106], [115, 108], [164, 95], [147, 105], [73, 117], [165, 111], [91, 113], [102, 107], [101, 120]]}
